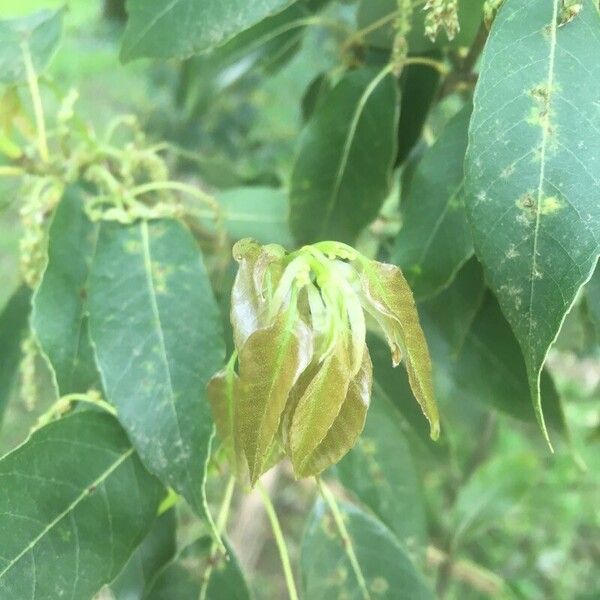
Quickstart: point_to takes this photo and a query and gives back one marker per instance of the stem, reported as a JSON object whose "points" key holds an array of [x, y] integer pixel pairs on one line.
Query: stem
{"points": [[346, 539], [157, 186], [216, 547], [11, 171], [36, 99], [278, 534], [429, 62]]}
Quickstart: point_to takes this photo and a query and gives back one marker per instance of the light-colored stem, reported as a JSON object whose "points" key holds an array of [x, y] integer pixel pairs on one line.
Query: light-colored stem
{"points": [[278, 534], [428, 62], [177, 186], [11, 172], [36, 99], [346, 539]]}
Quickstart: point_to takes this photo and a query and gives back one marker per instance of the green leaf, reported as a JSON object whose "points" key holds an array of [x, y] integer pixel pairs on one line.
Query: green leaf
{"points": [[392, 304], [592, 294], [157, 549], [380, 471], [435, 239], [75, 503], [39, 33], [182, 577], [343, 170], [329, 413], [531, 168], [13, 325], [270, 362], [181, 28], [59, 304], [257, 212], [386, 567], [157, 333]]}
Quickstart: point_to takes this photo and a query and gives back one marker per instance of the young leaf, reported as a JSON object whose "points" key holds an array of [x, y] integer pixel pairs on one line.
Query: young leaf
{"points": [[392, 304], [182, 28], [59, 303], [156, 330], [37, 34], [270, 362], [532, 167], [380, 471], [344, 165], [13, 324], [155, 551], [386, 567], [317, 441], [435, 239], [182, 578], [75, 503]]}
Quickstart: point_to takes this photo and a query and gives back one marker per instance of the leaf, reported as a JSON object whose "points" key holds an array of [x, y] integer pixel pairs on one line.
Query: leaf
{"points": [[155, 551], [380, 471], [435, 239], [39, 33], [76, 502], [257, 212], [592, 294], [59, 304], [182, 577], [329, 414], [343, 169], [13, 325], [270, 362], [531, 168], [392, 304], [181, 28], [326, 570], [156, 330]]}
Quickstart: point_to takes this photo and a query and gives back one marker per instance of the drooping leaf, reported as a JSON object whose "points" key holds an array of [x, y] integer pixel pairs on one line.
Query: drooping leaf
{"points": [[532, 165], [344, 165], [59, 304], [181, 28], [270, 362], [182, 578], [329, 415], [393, 305], [39, 33], [154, 552], [13, 324], [380, 471], [156, 330], [435, 239], [75, 503], [386, 567]]}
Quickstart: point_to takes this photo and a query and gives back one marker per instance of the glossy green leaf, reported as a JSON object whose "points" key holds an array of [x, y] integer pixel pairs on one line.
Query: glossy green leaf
{"points": [[386, 567], [393, 305], [343, 169], [13, 325], [435, 239], [59, 304], [182, 578], [154, 552], [380, 471], [39, 33], [329, 415], [181, 28], [257, 212], [532, 166], [157, 333], [270, 362], [75, 503]]}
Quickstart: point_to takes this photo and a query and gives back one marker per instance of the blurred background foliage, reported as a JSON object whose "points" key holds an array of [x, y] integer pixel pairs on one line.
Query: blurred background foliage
{"points": [[516, 521]]}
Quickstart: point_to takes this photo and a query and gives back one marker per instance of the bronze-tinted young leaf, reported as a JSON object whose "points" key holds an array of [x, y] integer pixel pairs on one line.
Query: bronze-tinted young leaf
{"points": [[348, 424], [389, 298], [223, 392], [270, 361], [318, 407]]}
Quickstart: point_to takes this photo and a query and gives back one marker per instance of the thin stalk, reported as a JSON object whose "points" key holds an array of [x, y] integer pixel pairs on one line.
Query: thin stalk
{"points": [[429, 62], [346, 539], [278, 534], [36, 99], [11, 171], [177, 186], [216, 547]]}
